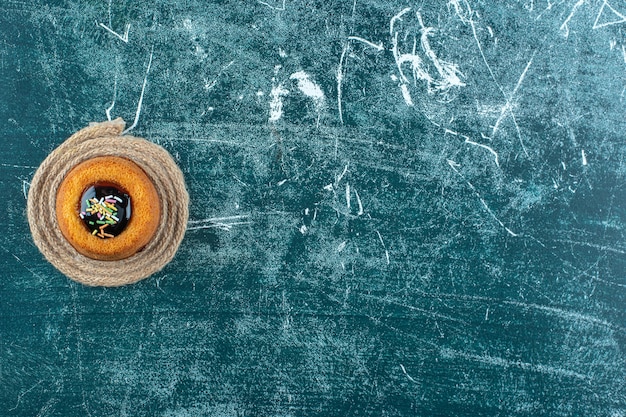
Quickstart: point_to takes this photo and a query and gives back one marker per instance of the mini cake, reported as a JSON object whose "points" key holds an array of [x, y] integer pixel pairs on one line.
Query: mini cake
{"points": [[107, 208]]}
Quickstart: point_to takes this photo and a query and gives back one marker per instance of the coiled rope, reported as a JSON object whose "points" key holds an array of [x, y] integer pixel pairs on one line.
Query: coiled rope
{"points": [[104, 139]]}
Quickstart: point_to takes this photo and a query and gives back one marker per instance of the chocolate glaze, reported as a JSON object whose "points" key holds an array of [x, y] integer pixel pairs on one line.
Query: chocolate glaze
{"points": [[100, 218]]}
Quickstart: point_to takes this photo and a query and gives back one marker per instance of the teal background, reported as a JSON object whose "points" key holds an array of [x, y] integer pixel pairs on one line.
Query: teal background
{"points": [[447, 243]]}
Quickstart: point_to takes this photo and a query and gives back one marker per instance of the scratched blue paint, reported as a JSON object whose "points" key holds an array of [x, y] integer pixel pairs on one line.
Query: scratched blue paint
{"points": [[396, 208]]}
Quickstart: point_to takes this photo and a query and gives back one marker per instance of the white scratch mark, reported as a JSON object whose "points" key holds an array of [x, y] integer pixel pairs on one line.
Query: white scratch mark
{"points": [[310, 89], [595, 246], [224, 223], [276, 104], [341, 246], [400, 58], [454, 167], [495, 154], [378, 47], [340, 77], [340, 177], [23, 393], [447, 71], [507, 363], [507, 107], [158, 283], [620, 18], [564, 27], [18, 166], [303, 229], [358, 200], [487, 314], [584, 157], [519, 134], [407, 375], [123, 38], [406, 95], [110, 108], [565, 314], [428, 312], [393, 20], [482, 53], [143, 89], [25, 185], [224, 226], [384, 247], [25, 265], [216, 219], [413, 59], [208, 85], [280, 8], [348, 197], [458, 10], [509, 231]]}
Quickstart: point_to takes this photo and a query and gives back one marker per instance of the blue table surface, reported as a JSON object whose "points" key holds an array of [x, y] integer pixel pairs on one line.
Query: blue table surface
{"points": [[397, 208]]}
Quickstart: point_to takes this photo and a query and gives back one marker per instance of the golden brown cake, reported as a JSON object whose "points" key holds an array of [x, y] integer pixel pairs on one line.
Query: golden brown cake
{"points": [[107, 208]]}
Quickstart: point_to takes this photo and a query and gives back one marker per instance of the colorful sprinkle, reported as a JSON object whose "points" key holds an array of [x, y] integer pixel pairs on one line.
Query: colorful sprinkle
{"points": [[105, 207]]}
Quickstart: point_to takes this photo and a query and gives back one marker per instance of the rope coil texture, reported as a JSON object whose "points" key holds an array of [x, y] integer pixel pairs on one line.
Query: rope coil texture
{"points": [[104, 139]]}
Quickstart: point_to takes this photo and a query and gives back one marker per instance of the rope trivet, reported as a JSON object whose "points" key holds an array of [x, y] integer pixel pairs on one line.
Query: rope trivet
{"points": [[104, 139]]}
